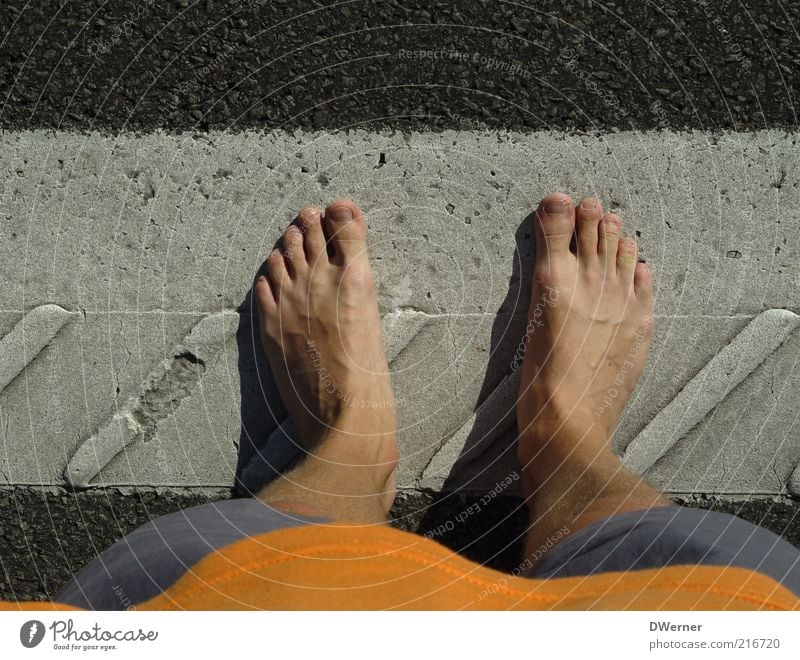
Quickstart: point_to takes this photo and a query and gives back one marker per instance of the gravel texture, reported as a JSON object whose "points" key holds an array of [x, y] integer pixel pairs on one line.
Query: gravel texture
{"points": [[46, 537], [141, 64]]}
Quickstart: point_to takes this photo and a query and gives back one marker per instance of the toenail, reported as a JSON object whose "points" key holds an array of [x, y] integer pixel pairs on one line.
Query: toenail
{"points": [[555, 206], [341, 214], [589, 204], [611, 220], [308, 213]]}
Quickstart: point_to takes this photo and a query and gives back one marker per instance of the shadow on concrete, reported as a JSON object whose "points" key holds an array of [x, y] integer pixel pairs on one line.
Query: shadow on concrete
{"points": [[263, 453], [488, 527]]}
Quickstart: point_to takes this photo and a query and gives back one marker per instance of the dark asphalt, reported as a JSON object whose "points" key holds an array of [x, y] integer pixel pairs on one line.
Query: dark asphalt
{"points": [[46, 537], [579, 64]]}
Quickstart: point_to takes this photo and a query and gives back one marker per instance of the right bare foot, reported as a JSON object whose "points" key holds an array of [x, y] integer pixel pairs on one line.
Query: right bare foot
{"points": [[322, 334], [590, 325]]}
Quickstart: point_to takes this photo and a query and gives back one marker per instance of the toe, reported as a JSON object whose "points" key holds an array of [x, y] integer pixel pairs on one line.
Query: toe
{"points": [[587, 218], [344, 227], [643, 282], [293, 252], [310, 222], [264, 298], [627, 254], [610, 227], [278, 274], [555, 225]]}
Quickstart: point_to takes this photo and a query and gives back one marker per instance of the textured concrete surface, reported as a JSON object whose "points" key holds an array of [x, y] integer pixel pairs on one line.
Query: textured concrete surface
{"points": [[714, 382], [136, 253], [322, 64], [160, 398]]}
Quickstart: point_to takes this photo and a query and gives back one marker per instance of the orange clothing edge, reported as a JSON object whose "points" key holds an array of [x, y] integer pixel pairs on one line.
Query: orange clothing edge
{"points": [[345, 567]]}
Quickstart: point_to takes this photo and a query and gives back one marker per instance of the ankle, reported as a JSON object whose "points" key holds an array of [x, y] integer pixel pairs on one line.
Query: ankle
{"points": [[292, 507], [642, 499], [580, 492], [545, 454], [352, 499], [373, 454]]}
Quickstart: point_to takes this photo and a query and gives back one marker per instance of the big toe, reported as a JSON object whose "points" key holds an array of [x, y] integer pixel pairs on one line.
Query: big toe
{"points": [[555, 225], [345, 230]]}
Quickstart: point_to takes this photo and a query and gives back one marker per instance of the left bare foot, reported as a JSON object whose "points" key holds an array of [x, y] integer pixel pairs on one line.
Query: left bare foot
{"points": [[322, 334]]}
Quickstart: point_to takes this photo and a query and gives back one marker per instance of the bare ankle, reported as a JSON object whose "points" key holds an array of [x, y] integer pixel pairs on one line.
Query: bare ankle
{"points": [[339, 492], [292, 508]]}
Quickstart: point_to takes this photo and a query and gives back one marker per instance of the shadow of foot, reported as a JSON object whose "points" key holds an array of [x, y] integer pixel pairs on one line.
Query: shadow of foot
{"points": [[478, 510], [266, 441]]}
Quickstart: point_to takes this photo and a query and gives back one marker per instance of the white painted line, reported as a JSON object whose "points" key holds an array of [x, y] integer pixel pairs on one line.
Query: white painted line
{"points": [[161, 227], [27, 339], [140, 415], [710, 386]]}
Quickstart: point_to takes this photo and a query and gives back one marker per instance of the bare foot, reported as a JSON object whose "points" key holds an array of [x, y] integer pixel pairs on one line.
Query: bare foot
{"points": [[322, 334], [590, 325]]}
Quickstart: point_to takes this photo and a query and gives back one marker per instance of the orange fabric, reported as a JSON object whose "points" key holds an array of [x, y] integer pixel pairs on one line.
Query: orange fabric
{"points": [[373, 568]]}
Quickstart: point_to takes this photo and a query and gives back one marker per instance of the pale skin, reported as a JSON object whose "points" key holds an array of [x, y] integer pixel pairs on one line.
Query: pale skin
{"points": [[593, 323]]}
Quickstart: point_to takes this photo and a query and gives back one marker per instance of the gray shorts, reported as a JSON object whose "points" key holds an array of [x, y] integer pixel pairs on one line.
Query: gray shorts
{"points": [[156, 555]]}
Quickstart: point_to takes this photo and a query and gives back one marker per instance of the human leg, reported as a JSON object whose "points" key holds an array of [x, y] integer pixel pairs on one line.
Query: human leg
{"points": [[593, 316], [322, 334]]}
